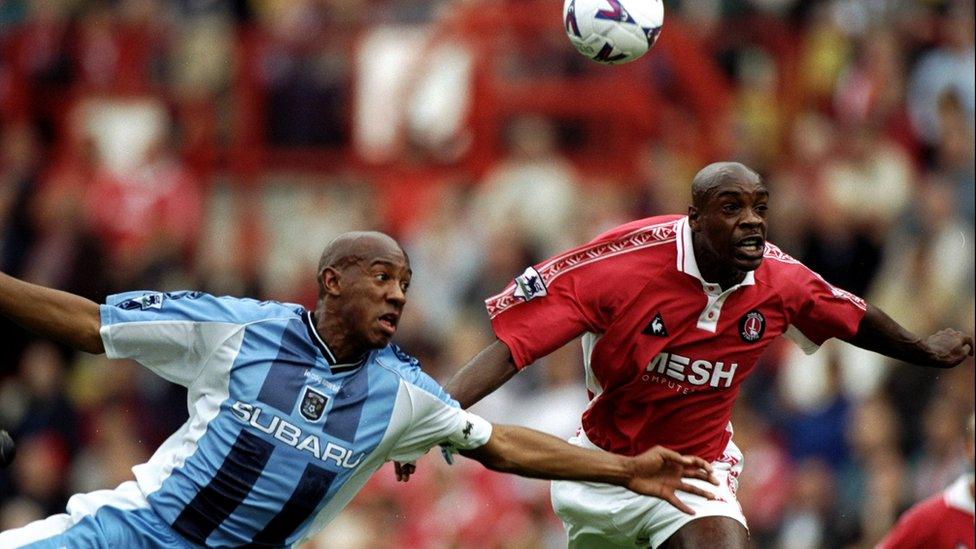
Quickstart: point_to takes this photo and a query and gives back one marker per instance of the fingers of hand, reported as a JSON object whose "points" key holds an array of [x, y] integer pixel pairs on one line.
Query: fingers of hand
{"points": [[688, 461], [692, 489], [403, 471], [700, 473], [677, 503]]}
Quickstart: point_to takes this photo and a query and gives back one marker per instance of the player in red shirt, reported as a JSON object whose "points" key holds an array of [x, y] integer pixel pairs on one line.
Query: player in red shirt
{"points": [[945, 520], [673, 312]]}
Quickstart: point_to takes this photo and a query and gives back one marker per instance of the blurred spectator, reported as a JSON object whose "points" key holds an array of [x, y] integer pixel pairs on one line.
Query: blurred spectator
{"points": [[948, 67], [143, 204], [532, 174]]}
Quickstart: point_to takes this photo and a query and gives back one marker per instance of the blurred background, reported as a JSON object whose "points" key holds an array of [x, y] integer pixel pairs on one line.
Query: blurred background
{"points": [[195, 144]]}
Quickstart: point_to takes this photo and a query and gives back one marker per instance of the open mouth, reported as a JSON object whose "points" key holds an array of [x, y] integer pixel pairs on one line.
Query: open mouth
{"points": [[751, 245], [389, 322]]}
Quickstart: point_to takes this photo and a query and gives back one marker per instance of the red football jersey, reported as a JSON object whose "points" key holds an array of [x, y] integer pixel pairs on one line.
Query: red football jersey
{"points": [[945, 520], [665, 352]]}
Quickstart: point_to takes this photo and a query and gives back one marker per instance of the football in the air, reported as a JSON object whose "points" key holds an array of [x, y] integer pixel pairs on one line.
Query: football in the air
{"points": [[613, 31]]}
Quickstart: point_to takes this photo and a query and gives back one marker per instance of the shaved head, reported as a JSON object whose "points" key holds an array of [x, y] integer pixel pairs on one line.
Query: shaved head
{"points": [[713, 175], [354, 247]]}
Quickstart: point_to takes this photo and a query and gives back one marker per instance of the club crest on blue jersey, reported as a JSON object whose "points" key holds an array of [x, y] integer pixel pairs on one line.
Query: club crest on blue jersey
{"points": [[752, 326], [529, 285], [313, 404]]}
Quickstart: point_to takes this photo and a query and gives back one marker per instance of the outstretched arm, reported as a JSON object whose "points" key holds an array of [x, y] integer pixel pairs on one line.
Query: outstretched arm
{"points": [[879, 333], [57, 315], [658, 472], [484, 373]]}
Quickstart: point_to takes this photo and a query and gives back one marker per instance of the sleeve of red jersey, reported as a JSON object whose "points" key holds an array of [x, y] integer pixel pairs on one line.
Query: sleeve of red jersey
{"points": [[819, 310], [552, 314], [557, 300]]}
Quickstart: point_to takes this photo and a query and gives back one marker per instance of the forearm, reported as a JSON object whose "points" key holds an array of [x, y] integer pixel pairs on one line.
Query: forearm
{"points": [[880, 333], [57, 315], [484, 373], [535, 454]]}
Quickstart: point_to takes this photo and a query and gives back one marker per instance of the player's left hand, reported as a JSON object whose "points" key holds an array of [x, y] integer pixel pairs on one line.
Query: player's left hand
{"points": [[659, 472], [947, 348]]}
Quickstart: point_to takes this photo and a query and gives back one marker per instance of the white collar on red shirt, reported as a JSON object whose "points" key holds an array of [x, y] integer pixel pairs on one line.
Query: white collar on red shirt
{"points": [[708, 319], [959, 494], [686, 257]]}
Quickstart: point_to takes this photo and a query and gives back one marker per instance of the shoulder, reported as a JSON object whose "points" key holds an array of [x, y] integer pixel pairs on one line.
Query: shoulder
{"points": [[407, 369], [661, 227], [615, 262], [780, 269], [617, 245], [199, 306]]}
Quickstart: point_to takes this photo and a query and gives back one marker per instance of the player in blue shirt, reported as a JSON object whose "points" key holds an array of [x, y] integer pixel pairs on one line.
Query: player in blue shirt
{"points": [[290, 410]]}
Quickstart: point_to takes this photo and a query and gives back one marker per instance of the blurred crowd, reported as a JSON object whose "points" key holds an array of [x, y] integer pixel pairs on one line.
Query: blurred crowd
{"points": [[128, 161]]}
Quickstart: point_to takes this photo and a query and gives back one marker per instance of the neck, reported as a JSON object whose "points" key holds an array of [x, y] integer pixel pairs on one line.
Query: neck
{"points": [[712, 268], [338, 337]]}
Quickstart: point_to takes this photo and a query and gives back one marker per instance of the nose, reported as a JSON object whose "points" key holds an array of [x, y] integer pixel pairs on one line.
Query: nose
{"points": [[752, 218], [396, 295]]}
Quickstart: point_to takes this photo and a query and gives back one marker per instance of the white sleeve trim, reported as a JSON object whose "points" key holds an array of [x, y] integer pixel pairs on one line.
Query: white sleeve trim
{"points": [[435, 422], [802, 341]]}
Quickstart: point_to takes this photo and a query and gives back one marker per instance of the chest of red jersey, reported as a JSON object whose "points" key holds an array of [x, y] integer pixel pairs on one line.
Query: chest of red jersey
{"points": [[664, 338]]}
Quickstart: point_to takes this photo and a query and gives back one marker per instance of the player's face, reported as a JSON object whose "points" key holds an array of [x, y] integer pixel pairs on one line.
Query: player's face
{"points": [[375, 292], [733, 222]]}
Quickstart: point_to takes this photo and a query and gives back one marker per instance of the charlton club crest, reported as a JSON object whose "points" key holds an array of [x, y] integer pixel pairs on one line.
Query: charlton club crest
{"points": [[752, 326], [313, 404]]}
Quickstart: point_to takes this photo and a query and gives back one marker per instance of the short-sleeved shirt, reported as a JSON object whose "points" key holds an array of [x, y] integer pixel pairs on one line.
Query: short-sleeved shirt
{"points": [[665, 351], [280, 435], [943, 520]]}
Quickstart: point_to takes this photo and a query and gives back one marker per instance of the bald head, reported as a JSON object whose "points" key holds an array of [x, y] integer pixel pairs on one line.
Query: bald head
{"points": [[355, 247], [713, 175]]}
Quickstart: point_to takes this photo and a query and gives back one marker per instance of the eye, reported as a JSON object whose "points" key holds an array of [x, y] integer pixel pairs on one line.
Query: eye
{"points": [[730, 208], [382, 277], [404, 285]]}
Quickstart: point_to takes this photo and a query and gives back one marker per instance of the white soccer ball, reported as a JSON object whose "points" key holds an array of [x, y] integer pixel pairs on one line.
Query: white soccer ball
{"points": [[613, 31]]}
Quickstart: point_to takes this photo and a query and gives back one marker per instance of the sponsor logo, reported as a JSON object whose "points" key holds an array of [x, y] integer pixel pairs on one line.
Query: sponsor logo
{"points": [[293, 436], [312, 377], [692, 371], [467, 430], [313, 404], [752, 326], [656, 327], [529, 285]]}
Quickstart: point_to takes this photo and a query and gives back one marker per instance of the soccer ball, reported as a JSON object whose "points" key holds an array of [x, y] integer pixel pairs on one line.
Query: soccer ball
{"points": [[613, 31]]}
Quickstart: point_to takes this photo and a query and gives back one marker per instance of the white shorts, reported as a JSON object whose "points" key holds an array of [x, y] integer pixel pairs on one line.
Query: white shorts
{"points": [[604, 515]]}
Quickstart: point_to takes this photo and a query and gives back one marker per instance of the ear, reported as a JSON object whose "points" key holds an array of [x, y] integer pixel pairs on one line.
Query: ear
{"points": [[329, 278], [694, 218]]}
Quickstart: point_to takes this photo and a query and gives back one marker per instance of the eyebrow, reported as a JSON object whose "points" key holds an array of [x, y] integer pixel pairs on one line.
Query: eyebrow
{"points": [[721, 194], [389, 264]]}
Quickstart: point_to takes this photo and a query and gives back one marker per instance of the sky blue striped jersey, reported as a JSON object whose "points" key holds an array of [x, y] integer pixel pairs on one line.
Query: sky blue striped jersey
{"points": [[280, 436]]}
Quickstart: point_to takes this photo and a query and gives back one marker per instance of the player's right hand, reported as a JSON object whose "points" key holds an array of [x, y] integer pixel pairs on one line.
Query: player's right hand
{"points": [[404, 470], [948, 348], [659, 472]]}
